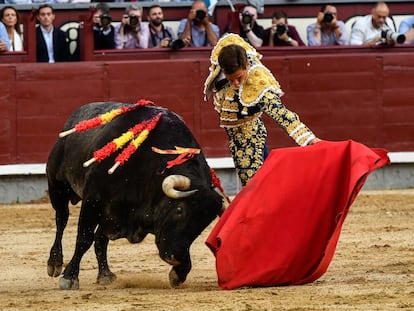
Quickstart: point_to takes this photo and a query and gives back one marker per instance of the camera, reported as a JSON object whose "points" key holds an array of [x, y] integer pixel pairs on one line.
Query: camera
{"points": [[391, 35], [247, 18], [176, 44], [133, 20], [106, 19], [200, 15], [281, 29], [328, 17]]}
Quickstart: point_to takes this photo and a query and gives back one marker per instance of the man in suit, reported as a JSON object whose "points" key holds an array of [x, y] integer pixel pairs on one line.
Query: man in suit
{"points": [[52, 44]]}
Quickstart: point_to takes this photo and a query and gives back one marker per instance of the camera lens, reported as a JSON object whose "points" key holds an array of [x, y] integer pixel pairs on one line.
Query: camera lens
{"points": [[246, 18], [328, 17], [281, 29], [133, 20], [200, 15], [177, 44], [395, 36], [105, 19]]}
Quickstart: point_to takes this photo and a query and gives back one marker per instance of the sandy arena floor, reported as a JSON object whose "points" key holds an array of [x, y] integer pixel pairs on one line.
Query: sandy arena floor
{"points": [[373, 267]]}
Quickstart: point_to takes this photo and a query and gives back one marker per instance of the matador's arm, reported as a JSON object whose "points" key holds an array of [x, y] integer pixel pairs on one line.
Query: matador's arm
{"points": [[287, 120]]}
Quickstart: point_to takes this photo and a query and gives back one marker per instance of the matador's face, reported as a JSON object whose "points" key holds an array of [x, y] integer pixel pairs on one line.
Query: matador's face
{"points": [[238, 77]]}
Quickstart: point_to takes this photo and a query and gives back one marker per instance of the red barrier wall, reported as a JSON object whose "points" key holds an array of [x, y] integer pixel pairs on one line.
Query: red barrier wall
{"points": [[341, 93]]}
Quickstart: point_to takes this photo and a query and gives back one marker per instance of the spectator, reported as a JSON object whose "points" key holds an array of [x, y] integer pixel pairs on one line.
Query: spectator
{"points": [[72, 1], [250, 30], [407, 28], [17, 2], [368, 29], [281, 33], [131, 33], [4, 39], [160, 35], [11, 19], [103, 31], [41, 2], [327, 30], [196, 29], [52, 43]]}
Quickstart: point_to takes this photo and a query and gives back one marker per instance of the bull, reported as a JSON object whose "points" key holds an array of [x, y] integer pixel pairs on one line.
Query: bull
{"points": [[141, 197]]}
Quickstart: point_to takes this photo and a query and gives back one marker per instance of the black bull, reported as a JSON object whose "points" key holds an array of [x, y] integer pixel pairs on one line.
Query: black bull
{"points": [[136, 199]]}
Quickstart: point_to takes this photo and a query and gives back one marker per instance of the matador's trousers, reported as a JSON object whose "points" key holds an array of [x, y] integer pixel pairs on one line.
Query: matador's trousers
{"points": [[248, 147]]}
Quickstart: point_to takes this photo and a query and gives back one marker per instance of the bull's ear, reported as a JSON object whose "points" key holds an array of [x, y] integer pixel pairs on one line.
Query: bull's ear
{"points": [[222, 210]]}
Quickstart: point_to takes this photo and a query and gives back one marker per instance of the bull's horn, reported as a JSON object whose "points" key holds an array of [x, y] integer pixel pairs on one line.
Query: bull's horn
{"points": [[181, 182]]}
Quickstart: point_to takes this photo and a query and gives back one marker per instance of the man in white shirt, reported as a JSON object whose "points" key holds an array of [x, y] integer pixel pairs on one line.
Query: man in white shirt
{"points": [[369, 30]]}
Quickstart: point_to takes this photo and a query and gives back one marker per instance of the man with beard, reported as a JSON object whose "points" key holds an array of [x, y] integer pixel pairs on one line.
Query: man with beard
{"points": [[368, 30], [161, 36], [196, 30]]}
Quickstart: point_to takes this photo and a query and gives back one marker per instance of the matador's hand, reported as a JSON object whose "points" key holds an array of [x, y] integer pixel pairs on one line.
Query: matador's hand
{"points": [[314, 141]]}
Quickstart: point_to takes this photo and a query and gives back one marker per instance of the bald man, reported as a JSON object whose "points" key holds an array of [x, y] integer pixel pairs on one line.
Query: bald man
{"points": [[368, 29]]}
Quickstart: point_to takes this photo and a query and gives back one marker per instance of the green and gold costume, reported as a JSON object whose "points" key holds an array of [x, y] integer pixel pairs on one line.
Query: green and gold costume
{"points": [[240, 109]]}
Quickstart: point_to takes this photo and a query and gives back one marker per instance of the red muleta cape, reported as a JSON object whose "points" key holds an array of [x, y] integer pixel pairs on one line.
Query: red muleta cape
{"points": [[283, 227]]}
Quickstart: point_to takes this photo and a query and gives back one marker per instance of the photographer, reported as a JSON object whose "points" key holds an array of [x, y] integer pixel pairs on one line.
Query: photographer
{"points": [[161, 36], [249, 29], [407, 28], [196, 30], [280, 33], [327, 30], [103, 31], [131, 33], [369, 30]]}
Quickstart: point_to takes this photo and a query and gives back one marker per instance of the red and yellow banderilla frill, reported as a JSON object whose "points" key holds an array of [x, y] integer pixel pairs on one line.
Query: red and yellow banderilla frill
{"points": [[185, 154], [140, 132], [119, 142], [104, 118], [135, 143]]}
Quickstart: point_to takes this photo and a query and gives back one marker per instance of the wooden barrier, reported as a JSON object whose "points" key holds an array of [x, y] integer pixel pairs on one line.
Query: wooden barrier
{"points": [[341, 93]]}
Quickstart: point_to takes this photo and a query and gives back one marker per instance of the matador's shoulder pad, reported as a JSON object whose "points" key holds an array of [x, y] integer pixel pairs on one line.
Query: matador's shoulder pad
{"points": [[259, 81]]}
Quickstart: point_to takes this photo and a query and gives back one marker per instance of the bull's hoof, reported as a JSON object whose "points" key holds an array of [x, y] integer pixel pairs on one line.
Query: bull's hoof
{"points": [[106, 278], [174, 279], [54, 271], [68, 284]]}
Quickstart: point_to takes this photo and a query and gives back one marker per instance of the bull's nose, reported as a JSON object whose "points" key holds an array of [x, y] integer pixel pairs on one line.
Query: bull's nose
{"points": [[171, 259]]}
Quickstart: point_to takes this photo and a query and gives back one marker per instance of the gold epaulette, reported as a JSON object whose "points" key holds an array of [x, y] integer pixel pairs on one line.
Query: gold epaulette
{"points": [[215, 69], [259, 81]]}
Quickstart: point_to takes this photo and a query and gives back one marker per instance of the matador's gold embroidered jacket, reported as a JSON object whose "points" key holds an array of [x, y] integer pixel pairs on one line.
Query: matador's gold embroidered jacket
{"points": [[259, 93]]}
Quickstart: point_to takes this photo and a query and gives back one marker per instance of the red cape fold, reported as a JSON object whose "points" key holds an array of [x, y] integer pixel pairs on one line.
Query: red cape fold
{"points": [[283, 227]]}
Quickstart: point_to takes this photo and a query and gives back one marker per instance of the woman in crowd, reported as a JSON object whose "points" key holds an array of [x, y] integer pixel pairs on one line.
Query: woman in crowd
{"points": [[11, 20]]}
